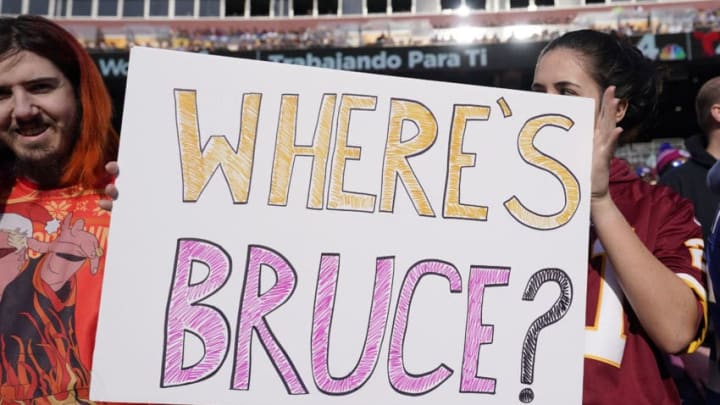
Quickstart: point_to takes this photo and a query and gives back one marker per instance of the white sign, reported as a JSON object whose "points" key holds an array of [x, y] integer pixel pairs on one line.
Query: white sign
{"points": [[299, 235]]}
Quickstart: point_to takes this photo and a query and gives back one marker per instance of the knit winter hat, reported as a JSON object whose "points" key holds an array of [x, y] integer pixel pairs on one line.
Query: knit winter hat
{"points": [[669, 157]]}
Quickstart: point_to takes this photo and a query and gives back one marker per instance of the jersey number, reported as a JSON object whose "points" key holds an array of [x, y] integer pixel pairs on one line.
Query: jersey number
{"points": [[605, 338]]}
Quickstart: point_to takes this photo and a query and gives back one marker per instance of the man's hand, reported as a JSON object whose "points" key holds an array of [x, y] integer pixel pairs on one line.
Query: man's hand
{"points": [[110, 190]]}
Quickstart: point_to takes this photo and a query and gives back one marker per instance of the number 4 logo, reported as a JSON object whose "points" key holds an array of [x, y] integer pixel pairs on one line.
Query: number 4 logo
{"points": [[648, 47]]}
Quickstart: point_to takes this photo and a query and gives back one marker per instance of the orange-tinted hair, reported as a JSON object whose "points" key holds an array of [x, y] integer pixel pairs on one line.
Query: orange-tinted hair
{"points": [[97, 141]]}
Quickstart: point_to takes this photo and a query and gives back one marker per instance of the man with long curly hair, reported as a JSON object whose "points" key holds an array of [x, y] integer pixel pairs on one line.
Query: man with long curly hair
{"points": [[56, 137]]}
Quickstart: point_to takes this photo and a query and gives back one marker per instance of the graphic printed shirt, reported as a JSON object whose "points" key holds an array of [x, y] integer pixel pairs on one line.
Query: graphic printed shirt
{"points": [[52, 253]]}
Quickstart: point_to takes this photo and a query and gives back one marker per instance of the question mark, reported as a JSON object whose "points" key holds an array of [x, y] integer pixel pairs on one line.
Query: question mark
{"points": [[552, 315]]}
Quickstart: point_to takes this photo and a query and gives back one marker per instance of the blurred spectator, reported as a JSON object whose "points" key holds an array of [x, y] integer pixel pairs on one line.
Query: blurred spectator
{"points": [[646, 173], [689, 178], [712, 253], [669, 157]]}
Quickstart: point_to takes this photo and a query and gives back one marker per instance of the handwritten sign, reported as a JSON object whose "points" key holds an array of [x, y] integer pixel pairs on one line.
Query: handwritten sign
{"points": [[288, 234]]}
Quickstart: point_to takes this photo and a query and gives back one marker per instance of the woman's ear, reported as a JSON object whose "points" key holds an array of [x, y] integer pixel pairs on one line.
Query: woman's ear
{"points": [[621, 110]]}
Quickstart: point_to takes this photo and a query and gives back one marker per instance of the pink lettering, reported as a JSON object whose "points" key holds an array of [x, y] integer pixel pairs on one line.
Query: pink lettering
{"points": [[186, 314], [400, 379], [253, 309], [324, 304], [476, 333]]}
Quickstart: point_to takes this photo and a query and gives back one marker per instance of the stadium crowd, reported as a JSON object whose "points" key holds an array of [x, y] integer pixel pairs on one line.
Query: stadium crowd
{"points": [[389, 33]]}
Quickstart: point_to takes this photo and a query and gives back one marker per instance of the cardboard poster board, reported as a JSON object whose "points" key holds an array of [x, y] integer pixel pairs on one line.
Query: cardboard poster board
{"points": [[295, 235]]}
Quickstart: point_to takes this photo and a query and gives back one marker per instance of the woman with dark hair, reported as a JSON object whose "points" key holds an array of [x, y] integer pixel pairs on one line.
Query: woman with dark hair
{"points": [[55, 138], [646, 294]]}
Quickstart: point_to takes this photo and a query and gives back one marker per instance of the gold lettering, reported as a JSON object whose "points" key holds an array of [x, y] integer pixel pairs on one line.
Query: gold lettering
{"points": [[457, 160], [397, 153], [536, 158], [286, 150], [199, 164], [339, 198]]}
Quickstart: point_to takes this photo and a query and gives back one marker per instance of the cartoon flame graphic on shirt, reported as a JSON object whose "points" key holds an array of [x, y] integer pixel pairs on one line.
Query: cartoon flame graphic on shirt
{"points": [[40, 257]]}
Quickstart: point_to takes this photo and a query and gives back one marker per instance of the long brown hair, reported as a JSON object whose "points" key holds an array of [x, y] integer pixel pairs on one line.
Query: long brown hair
{"points": [[97, 141]]}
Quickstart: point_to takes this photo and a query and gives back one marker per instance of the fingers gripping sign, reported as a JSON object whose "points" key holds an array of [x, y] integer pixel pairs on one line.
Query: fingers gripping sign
{"points": [[113, 169]]}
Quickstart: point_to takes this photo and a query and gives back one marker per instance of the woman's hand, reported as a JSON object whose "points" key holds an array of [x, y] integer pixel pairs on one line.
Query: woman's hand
{"points": [[604, 140], [110, 190]]}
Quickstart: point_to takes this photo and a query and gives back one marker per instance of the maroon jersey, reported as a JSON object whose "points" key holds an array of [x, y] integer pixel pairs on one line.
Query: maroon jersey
{"points": [[622, 365]]}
